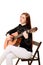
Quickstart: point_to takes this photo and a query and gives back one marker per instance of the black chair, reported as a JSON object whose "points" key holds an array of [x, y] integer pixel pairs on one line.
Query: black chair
{"points": [[33, 58]]}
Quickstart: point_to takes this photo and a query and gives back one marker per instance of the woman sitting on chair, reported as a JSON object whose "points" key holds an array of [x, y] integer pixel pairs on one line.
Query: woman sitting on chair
{"points": [[24, 50]]}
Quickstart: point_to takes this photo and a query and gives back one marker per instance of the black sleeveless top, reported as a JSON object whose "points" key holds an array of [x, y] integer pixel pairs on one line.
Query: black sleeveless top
{"points": [[25, 43]]}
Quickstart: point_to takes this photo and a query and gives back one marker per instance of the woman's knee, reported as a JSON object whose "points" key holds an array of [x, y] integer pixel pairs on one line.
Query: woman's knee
{"points": [[9, 46], [9, 56], [8, 49]]}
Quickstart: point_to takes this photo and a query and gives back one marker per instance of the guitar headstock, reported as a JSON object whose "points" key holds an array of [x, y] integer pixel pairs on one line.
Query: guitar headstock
{"points": [[33, 30]]}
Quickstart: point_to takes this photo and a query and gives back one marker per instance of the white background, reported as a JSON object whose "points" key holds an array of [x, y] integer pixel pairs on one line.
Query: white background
{"points": [[10, 11]]}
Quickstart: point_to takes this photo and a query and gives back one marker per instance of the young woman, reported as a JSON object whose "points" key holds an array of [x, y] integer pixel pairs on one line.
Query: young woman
{"points": [[25, 48]]}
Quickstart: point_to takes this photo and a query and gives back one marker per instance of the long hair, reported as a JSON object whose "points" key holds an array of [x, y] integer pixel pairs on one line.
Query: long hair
{"points": [[28, 21]]}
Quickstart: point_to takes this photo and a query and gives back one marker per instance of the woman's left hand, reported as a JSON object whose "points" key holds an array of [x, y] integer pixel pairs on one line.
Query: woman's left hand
{"points": [[25, 34]]}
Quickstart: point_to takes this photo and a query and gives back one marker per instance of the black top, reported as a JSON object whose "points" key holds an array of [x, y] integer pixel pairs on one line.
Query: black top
{"points": [[25, 43]]}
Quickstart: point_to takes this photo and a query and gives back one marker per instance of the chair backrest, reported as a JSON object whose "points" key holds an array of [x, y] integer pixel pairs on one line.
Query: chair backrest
{"points": [[36, 43]]}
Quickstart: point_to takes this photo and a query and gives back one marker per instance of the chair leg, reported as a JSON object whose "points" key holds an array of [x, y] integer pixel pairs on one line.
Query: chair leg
{"points": [[17, 61], [28, 62], [38, 58]]}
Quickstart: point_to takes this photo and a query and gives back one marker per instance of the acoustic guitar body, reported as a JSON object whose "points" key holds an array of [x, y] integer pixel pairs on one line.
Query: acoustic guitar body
{"points": [[15, 42]]}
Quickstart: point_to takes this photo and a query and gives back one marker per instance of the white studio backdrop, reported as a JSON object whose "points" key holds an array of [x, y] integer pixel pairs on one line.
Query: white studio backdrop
{"points": [[10, 11]]}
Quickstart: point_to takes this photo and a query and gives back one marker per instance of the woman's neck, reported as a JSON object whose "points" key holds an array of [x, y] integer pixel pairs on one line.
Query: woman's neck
{"points": [[23, 24]]}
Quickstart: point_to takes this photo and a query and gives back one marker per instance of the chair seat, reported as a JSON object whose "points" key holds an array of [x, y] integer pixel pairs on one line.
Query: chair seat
{"points": [[29, 58]]}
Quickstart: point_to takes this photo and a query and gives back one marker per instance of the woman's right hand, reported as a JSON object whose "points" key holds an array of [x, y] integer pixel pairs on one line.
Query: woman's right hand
{"points": [[9, 37]]}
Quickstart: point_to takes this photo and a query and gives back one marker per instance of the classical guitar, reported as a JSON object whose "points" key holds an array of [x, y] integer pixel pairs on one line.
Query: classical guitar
{"points": [[17, 38]]}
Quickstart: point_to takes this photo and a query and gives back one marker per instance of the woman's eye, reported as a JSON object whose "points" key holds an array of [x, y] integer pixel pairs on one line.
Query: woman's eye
{"points": [[23, 17]]}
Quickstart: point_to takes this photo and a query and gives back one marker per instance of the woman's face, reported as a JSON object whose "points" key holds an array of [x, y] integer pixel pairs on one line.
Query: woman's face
{"points": [[22, 19]]}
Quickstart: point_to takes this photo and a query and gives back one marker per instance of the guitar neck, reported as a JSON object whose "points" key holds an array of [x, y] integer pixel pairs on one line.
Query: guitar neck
{"points": [[29, 31], [18, 36]]}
